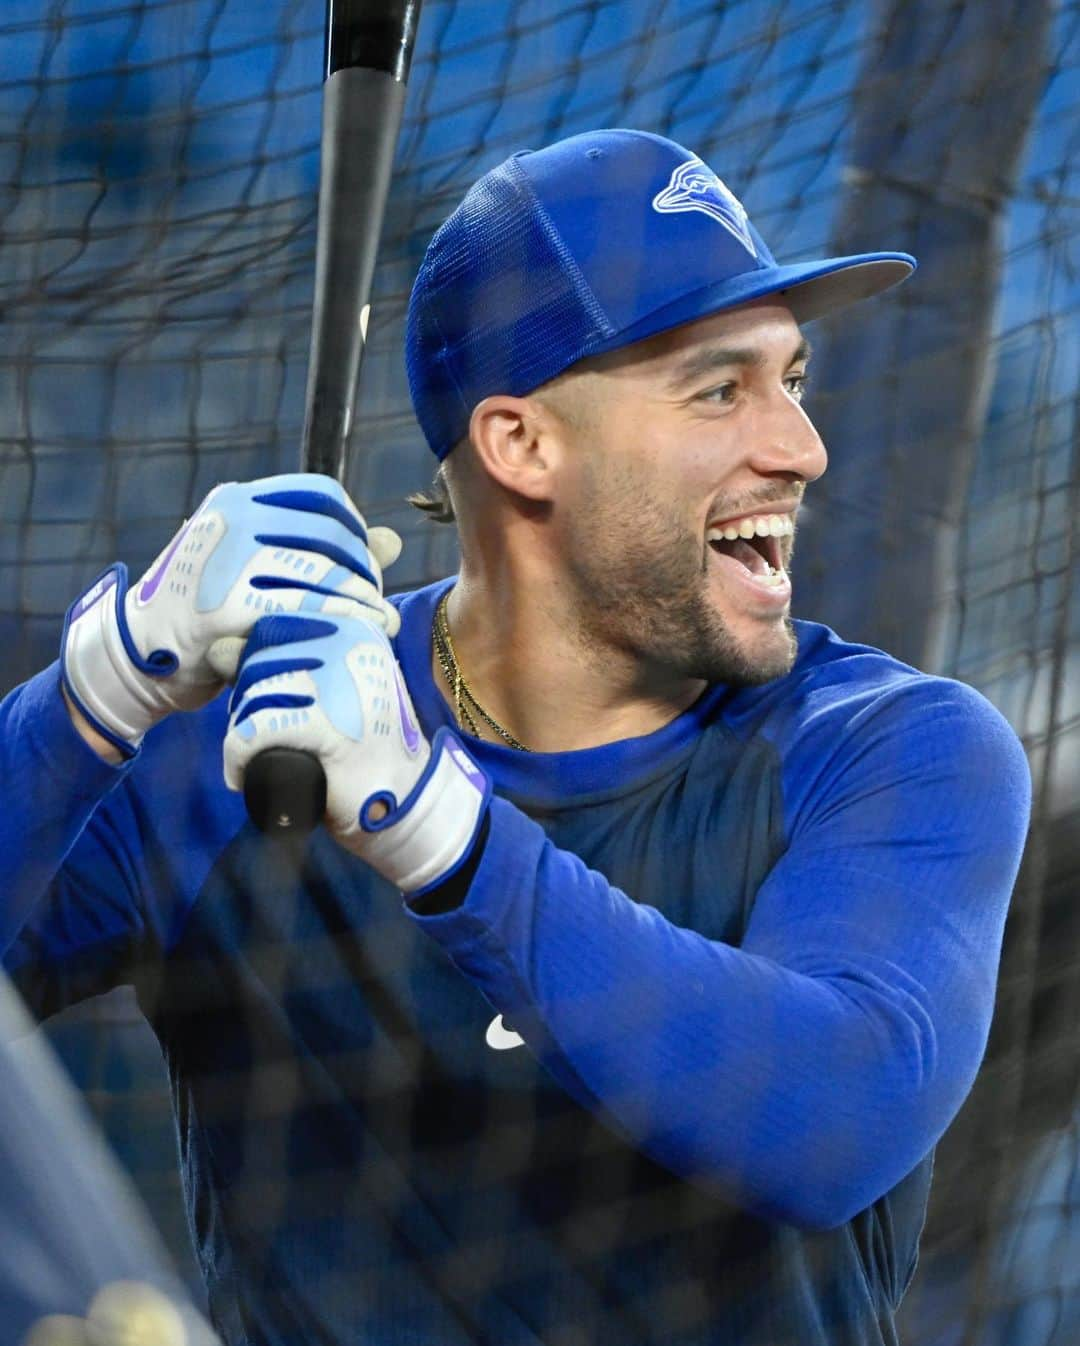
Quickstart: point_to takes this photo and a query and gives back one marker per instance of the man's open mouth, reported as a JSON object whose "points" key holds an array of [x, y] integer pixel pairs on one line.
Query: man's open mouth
{"points": [[756, 542]]}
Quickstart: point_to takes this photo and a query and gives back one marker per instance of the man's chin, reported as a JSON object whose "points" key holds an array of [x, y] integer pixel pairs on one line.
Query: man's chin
{"points": [[776, 654], [752, 658]]}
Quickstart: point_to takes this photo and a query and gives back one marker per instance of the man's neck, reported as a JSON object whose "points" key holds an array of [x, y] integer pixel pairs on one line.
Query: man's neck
{"points": [[547, 681]]}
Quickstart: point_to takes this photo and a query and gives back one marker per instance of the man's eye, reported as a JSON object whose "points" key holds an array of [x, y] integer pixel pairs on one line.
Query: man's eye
{"points": [[797, 385], [724, 392]]}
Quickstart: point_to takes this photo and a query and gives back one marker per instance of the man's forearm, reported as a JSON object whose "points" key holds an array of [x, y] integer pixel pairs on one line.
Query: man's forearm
{"points": [[802, 1095], [54, 779]]}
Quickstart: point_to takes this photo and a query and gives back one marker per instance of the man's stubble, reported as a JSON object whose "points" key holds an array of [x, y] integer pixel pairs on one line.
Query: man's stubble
{"points": [[641, 585]]}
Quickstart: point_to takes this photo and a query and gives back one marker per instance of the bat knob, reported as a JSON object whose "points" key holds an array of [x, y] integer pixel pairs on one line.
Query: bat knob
{"points": [[285, 792]]}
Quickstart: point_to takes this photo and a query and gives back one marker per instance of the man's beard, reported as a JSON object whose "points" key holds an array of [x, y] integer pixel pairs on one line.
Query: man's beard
{"points": [[651, 598]]}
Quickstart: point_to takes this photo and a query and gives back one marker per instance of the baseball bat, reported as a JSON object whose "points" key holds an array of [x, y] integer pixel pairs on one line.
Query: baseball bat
{"points": [[369, 46]]}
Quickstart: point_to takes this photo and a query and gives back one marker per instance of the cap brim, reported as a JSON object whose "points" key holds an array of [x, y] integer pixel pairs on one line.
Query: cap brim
{"points": [[823, 287], [810, 289]]}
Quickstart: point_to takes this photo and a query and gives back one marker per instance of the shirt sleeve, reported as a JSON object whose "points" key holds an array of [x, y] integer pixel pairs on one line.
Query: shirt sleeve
{"points": [[54, 784], [804, 1073], [100, 864]]}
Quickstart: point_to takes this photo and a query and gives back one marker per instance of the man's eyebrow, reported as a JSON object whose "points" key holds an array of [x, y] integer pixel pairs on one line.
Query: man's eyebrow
{"points": [[710, 358]]}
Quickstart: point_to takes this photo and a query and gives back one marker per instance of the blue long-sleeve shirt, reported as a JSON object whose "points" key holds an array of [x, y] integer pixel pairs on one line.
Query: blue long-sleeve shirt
{"points": [[752, 958]]}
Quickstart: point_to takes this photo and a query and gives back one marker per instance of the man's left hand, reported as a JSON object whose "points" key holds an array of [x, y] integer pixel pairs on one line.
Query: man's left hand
{"points": [[331, 686]]}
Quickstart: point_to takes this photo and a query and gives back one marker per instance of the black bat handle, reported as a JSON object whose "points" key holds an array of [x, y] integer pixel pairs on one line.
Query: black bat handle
{"points": [[285, 792], [368, 51]]}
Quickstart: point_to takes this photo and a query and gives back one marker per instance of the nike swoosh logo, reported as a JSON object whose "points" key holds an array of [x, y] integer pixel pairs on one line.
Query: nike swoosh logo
{"points": [[149, 586], [410, 730], [500, 1038]]}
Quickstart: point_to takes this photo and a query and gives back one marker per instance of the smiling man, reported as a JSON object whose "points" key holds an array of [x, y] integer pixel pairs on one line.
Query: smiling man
{"points": [[702, 905], [640, 510]]}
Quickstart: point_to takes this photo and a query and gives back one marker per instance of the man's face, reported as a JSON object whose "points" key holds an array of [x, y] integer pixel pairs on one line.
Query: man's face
{"points": [[690, 436]]}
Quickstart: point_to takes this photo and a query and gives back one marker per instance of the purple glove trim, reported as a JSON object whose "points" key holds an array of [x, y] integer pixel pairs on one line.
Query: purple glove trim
{"points": [[114, 574], [480, 830], [114, 577], [409, 728], [444, 741], [159, 663], [149, 586]]}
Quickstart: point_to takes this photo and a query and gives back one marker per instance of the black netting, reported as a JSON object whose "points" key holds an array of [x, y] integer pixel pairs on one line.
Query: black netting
{"points": [[158, 173]]}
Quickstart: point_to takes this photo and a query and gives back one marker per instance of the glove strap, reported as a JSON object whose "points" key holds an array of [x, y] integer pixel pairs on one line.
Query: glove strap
{"points": [[105, 675], [424, 840]]}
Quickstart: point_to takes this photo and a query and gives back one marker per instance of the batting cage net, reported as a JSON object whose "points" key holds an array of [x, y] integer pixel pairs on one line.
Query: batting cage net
{"points": [[158, 177]]}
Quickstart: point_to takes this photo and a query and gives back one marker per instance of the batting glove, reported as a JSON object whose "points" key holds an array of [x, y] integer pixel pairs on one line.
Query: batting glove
{"points": [[293, 543], [333, 688]]}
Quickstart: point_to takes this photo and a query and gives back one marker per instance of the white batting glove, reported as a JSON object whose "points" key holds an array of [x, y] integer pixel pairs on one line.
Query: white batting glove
{"points": [[333, 688], [281, 544]]}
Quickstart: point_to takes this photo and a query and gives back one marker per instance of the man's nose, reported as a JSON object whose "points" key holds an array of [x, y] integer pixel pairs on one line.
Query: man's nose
{"points": [[785, 441]]}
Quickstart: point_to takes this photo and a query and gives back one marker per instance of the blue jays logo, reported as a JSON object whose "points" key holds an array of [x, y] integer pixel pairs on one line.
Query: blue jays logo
{"points": [[694, 186]]}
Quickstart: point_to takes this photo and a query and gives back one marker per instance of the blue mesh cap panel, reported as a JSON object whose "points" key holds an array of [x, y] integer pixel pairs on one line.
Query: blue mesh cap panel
{"points": [[646, 220], [499, 306]]}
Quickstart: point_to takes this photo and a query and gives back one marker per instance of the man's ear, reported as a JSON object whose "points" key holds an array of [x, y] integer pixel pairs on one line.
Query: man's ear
{"points": [[514, 439]]}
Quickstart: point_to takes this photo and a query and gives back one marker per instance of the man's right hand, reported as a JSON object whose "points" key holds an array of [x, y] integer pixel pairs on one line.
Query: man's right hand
{"points": [[282, 544]]}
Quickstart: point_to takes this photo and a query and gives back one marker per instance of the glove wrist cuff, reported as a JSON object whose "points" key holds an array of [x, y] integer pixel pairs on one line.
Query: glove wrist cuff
{"points": [[423, 841], [101, 666]]}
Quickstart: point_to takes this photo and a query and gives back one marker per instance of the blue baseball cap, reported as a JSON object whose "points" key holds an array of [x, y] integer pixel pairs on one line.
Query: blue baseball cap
{"points": [[587, 246]]}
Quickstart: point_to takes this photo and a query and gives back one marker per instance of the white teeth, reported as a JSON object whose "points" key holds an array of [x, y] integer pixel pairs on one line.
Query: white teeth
{"points": [[754, 525]]}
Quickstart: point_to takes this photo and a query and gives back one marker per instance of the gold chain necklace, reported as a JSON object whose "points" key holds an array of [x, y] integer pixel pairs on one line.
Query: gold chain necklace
{"points": [[444, 651]]}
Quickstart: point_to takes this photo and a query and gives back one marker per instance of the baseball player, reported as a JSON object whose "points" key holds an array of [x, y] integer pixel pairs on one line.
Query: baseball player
{"points": [[651, 940]]}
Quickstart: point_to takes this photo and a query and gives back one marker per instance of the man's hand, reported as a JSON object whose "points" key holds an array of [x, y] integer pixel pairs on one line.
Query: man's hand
{"points": [[332, 687], [281, 544]]}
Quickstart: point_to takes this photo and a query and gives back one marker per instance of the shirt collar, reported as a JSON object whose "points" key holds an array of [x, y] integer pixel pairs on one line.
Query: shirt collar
{"points": [[544, 779]]}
